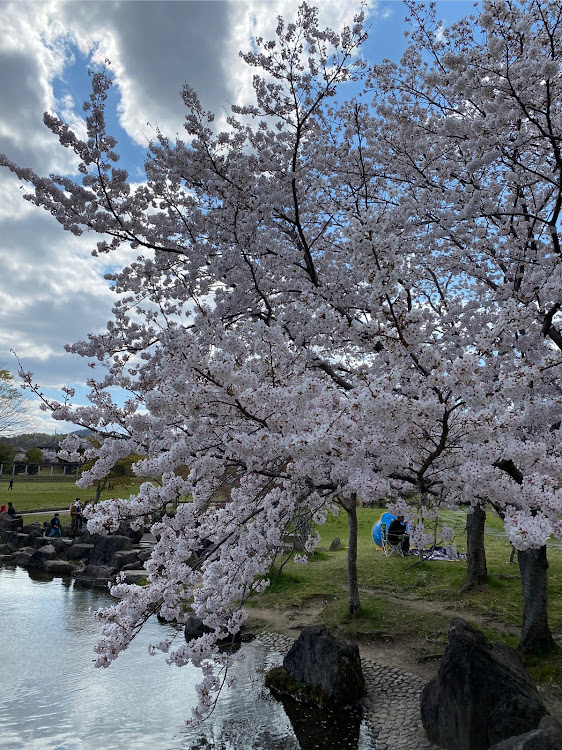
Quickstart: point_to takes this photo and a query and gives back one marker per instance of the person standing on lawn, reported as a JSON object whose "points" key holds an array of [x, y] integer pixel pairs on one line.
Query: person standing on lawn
{"points": [[75, 517]]}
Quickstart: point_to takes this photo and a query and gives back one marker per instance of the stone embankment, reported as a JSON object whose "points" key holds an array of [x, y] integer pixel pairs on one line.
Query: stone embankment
{"points": [[93, 560]]}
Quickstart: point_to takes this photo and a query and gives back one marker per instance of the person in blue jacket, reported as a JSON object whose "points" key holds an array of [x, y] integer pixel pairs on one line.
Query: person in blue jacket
{"points": [[55, 526]]}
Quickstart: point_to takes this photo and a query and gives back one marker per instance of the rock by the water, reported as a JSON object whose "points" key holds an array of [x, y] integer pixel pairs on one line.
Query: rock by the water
{"points": [[97, 576], [58, 567], [481, 695], [535, 740], [194, 627], [336, 545], [320, 669], [135, 535], [32, 528], [79, 551], [21, 539], [553, 729], [8, 523], [41, 555], [6, 549], [105, 548], [126, 557], [41, 541], [134, 576], [22, 558], [61, 544]]}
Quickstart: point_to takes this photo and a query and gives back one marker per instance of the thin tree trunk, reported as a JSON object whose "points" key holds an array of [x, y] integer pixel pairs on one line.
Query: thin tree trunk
{"points": [[476, 570], [536, 637], [354, 605]]}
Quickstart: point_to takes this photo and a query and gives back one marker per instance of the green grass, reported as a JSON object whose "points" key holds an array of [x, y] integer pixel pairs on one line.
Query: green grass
{"points": [[46, 493], [403, 600]]}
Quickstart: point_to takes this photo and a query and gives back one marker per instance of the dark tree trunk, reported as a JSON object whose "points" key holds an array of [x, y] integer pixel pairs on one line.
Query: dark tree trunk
{"points": [[476, 570], [536, 637], [354, 605]]}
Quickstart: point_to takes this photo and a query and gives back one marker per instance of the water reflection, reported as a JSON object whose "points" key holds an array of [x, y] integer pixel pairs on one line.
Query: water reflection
{"points": [[52, 698], [324, 730]]}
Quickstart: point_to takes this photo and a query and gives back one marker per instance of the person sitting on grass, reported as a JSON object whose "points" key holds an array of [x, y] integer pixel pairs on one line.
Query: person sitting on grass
{"points": [[12, 511], [55, 526], [397, 534]]}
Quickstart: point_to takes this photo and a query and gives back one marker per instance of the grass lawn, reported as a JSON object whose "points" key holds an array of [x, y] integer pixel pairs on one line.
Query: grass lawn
{"points": [[45, 493], [404, 600]]}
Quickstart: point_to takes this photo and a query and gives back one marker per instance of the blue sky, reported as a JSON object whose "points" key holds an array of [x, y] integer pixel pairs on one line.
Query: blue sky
{"points": [[51, 289]]}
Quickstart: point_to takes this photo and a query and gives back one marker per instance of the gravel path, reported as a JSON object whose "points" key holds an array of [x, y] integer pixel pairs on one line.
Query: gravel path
{"points": [[393, 702]]}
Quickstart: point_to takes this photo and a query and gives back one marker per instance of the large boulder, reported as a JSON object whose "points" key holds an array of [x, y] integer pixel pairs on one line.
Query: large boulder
{"points": [[195, 628], [41, 555], [481, 695], [79, 551], [320, 669], [126, 557], [58, 567], [42, 541], [21, 539], [553, 729], [33, 528], [144, 554], [22, 558], [105, 548], [534, 740], [97, 576], [13, 537], [135, 535], [9, 523], [61, 544], [134, 575]]}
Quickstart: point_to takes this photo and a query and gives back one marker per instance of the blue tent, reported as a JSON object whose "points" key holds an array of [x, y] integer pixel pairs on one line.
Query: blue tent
{"points": [[376, 531]]}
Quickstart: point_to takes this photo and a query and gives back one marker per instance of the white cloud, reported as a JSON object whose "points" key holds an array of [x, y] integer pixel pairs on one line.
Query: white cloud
{"points": [[251, 18], [51, 289]]}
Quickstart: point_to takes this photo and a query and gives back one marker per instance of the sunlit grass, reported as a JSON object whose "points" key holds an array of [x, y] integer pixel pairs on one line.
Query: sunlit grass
{"points": [[45, 493], [402, 599]]}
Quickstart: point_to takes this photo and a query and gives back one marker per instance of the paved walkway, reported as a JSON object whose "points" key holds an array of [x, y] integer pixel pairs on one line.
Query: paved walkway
{"points": [[393, 715]]}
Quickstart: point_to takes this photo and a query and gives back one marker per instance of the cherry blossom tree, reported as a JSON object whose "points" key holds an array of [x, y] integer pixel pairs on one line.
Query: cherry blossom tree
{"points": [[482, 184], [318, 312]]}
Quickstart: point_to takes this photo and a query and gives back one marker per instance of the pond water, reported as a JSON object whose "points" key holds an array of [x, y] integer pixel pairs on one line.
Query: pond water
{"points": [[52, 697]]}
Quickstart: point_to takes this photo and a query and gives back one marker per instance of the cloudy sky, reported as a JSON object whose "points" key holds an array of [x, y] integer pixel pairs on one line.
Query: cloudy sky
{"points": [[51, 289]]}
